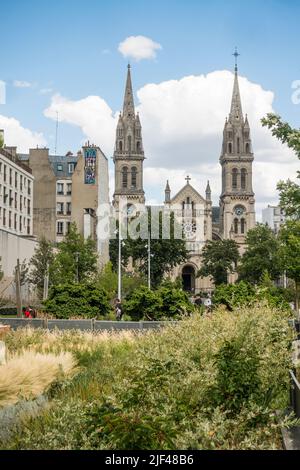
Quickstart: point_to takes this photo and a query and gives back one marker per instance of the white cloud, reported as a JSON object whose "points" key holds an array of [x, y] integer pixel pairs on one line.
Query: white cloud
{"points": [[139, 47], [22, 84], [17, 135], [183, 123], [91, 114]]}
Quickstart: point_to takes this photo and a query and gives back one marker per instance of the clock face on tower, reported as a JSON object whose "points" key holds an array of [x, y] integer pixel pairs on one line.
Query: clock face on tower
{"points": [[239, 210]]}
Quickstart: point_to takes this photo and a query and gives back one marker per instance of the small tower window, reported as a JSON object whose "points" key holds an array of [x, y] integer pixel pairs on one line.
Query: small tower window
{"points": [[243, 226], [247, 148], [138, 146], [234, 178], [133, 176], [124, 177], [120, 146], [243, 178], [238, 145], [129, 143], [230, 147], [236, 226]]}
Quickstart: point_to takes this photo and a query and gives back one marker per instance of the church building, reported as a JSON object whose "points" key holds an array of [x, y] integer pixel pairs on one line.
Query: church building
{"points": [[200, 220]]}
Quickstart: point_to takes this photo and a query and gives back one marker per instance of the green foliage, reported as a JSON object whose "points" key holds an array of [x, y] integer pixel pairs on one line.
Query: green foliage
{"points": [[203, 383], [290, 252], [77, 300], [1, 141], [43, 258], [165, 253], [219, 258], [76, 257], [108, 280], [234, 295], [289, 191], [261, 256], [243, 294], [166, 302]]}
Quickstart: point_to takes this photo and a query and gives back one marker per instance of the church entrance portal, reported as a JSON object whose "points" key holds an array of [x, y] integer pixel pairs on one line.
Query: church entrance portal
{"points": [[188, 278]]}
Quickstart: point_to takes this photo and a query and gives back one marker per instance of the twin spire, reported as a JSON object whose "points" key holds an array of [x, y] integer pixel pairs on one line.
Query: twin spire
{"points": [[128, 106]]}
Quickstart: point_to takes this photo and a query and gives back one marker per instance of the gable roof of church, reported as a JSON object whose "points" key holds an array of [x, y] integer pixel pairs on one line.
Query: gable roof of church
{"points": [[192, 190]]}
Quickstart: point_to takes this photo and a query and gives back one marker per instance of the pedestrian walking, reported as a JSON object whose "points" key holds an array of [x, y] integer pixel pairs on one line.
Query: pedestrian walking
{"points": [[118, 309]]}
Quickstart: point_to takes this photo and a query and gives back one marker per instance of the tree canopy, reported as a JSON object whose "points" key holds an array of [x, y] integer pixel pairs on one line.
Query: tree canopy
{"points": [[219, 258], [261, 255]]}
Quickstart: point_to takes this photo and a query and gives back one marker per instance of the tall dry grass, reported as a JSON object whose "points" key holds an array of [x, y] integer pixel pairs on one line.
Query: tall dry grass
{"points": [[28, 375]]}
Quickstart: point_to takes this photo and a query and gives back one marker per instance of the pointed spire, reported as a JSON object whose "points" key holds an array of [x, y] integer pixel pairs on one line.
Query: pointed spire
{"points": [[128, 106], [208, 192], [167, 192], [236, 112]]}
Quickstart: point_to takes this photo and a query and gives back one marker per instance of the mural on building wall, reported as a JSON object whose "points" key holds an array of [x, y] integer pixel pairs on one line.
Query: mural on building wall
{"points": [[90, 166]]}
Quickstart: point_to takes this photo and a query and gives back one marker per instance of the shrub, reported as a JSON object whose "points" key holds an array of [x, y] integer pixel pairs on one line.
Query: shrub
{"points": [[77, 300], [168, 301]]}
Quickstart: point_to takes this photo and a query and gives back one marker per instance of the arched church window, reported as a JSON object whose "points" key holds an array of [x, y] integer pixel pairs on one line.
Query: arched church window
{"points": [[133, 176], [230, 147], [138, 146], [124, 177], [120, 146], [243, 178], [243, 225], [247, 147], [234, 178], [236, 226], [238, 145], [129, 143]]}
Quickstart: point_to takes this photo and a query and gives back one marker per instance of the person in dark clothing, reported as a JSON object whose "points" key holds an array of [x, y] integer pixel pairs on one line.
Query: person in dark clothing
{"points": [[118, 309]]}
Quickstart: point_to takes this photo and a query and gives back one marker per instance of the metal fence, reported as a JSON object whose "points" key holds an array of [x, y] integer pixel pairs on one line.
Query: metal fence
{"points": [[83, 325]]}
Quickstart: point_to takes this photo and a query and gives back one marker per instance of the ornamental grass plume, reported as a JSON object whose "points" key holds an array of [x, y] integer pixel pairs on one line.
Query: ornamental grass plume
{"points": [[28, 375]]}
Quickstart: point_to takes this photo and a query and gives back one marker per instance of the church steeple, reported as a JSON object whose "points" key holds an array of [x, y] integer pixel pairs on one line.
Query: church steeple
{"points": [[128, 105], [237, 212], [129, 151]]}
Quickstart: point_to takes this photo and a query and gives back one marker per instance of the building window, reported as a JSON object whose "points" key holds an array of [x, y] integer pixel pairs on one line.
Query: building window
{"points": [[4, 173], [238, 145], [21, 183], [15, 222], [69, 208], [60, 228], [230, 147], [236, 226], [28, 226], [68, 227], [234, 178], [60, 188], [124, 177], [69, 189], [243, 225], [29, 188], [10, 177], [21, 204], [9, 219], [133, 177], [60, 208], [243, 178], [129, 143], [16, 180], [10, 198], [138, 146], [28, 207], [71, 168], [120, 146], [4, 217], [247, 148], [59, 167], [20, 223]]}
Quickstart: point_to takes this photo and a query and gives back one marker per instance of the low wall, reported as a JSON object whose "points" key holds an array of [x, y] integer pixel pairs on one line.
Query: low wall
{"points": [[83, 325]]}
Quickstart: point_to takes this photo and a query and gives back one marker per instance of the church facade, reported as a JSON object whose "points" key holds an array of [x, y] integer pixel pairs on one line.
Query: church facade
{"points": [[200, 220]]}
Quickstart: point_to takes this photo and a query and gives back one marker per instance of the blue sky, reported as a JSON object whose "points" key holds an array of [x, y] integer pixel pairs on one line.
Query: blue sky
{"points": [[71, 47]]}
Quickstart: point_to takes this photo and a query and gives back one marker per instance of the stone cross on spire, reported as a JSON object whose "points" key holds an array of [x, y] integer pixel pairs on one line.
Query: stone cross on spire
{"points": [[236, 55], [188, 179]]}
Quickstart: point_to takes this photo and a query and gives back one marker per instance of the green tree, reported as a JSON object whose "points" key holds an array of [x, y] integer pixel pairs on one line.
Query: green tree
{"points": [[1, 141], [290, 251], [219, 258], [289, 191], [165, 253], [42, 259], [76, 259], [262, 255]]}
